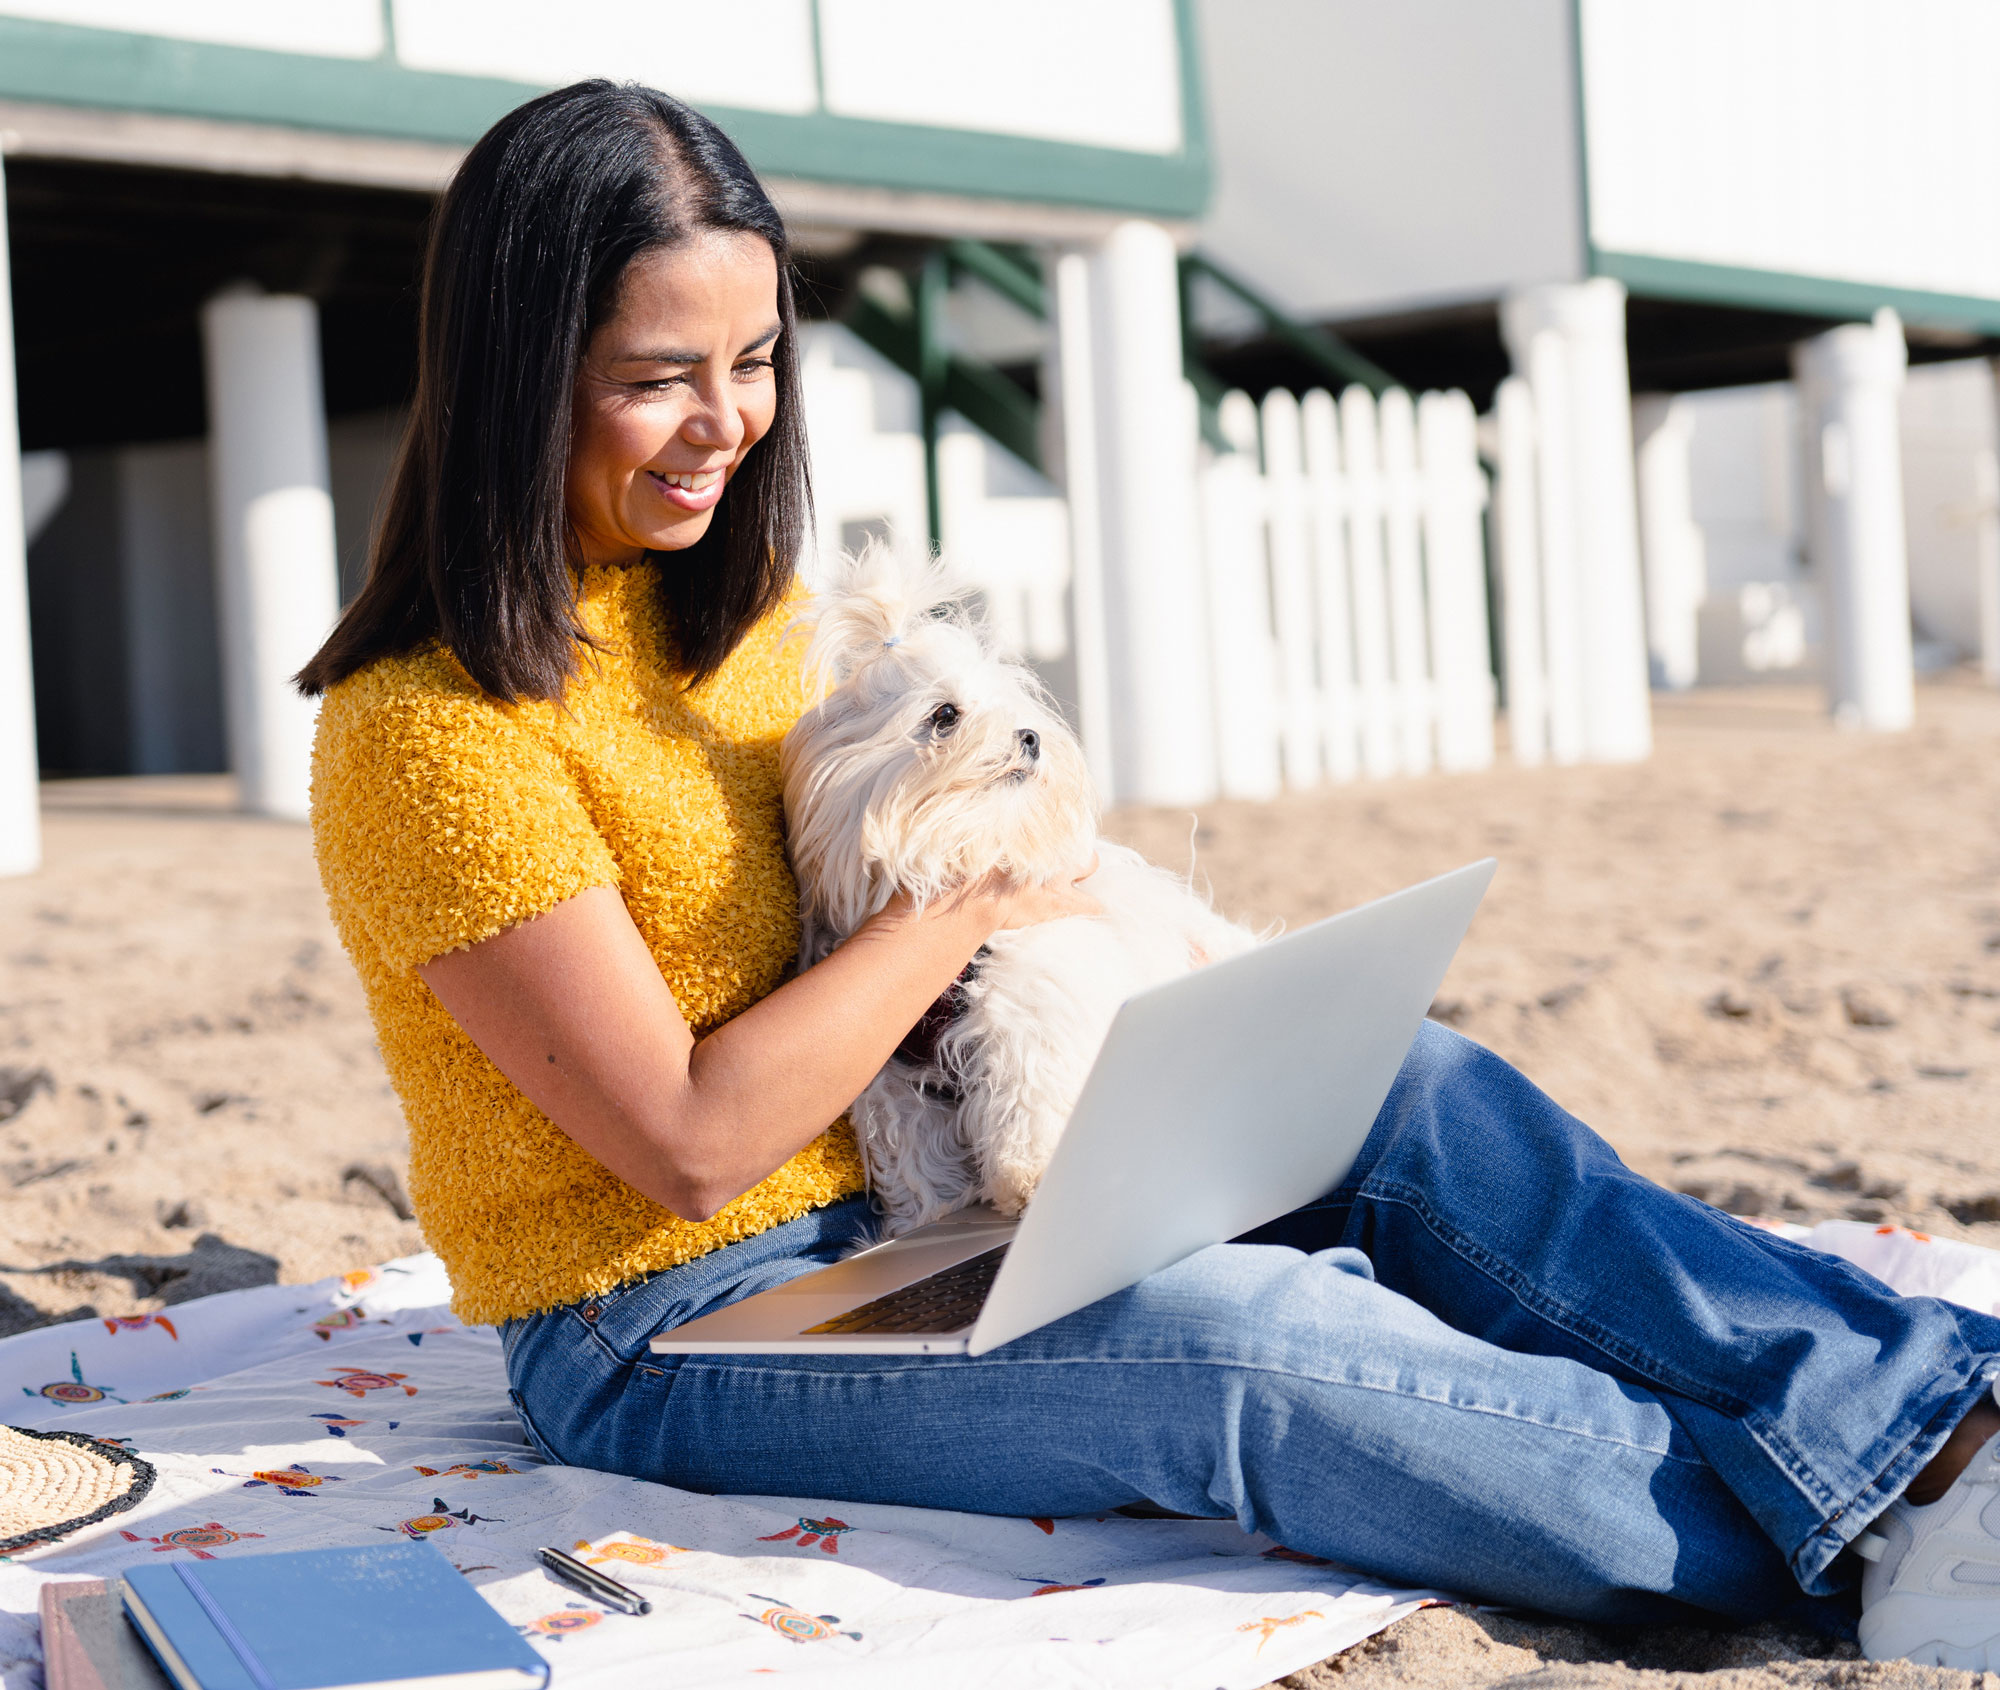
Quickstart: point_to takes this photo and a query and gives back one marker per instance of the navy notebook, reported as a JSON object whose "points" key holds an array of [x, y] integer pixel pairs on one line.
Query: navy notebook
{"points": [[383, 1616]]}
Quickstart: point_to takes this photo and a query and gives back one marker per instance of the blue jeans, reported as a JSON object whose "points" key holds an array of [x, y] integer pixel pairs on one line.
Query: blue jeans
{"points": [[1493, 1359]]}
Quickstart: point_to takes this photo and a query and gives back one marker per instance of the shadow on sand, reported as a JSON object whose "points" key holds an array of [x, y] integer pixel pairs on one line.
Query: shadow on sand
{"points": [[210, 1264]]}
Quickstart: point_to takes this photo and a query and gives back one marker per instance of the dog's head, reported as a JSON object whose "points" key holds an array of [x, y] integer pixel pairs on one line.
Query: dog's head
{"points": [[928, 759]]}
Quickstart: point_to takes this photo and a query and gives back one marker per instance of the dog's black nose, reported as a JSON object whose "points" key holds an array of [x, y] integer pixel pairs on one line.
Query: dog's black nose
{"points": [[1030, 743]]}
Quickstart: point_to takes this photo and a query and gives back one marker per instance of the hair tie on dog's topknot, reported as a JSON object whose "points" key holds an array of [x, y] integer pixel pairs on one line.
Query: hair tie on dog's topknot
{"points": [[893, 639]]}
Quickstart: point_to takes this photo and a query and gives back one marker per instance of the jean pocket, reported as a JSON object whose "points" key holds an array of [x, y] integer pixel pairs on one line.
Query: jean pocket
{"points": [[621, 1322], [535, 1437], [615, 1320]]}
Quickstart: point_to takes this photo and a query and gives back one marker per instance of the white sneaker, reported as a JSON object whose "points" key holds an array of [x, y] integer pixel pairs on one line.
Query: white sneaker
{"points": [[1931, 1592]]}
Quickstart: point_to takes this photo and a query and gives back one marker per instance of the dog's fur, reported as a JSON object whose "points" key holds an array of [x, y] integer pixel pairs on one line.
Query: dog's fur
{"points": [[882, 795]]}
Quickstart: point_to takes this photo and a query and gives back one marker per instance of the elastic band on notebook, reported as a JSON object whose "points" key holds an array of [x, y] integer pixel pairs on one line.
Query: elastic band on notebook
{"points": [[226, 1628]]}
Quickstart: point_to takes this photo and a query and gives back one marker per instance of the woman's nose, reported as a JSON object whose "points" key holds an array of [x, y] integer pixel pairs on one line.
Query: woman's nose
{"points": [[715, 422]]}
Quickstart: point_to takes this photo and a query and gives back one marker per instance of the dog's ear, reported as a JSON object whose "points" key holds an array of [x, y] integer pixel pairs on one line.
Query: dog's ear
{"points": [[869, 602]]}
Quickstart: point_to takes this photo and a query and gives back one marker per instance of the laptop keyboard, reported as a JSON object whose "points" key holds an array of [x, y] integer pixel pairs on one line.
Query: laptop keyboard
{"points": [[945, 1302]]}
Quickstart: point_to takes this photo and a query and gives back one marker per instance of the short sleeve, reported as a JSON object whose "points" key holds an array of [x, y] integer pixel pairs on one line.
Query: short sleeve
{"points": [[440, 817]]}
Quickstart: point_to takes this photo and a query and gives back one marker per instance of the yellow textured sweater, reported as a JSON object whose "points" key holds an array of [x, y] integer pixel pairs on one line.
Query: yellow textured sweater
{"points": [[441, 817]]}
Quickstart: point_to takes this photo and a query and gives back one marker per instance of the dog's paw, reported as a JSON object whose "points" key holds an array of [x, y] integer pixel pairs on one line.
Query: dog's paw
{"points": [[1009, 1190]]}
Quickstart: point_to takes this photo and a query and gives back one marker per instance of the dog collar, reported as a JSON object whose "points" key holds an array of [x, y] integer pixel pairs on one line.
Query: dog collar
{"points": [[919, 1048]]}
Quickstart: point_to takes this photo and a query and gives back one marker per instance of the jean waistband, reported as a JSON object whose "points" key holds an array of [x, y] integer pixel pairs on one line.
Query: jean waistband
{"points": [[623, 1318]]}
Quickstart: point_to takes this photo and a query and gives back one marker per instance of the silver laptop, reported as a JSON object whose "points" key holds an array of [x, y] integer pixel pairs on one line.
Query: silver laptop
{"points": [[1219, 1102]]}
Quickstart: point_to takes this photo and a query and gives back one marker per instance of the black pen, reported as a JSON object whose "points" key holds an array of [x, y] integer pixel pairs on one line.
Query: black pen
{"points": [[593, 1583]]}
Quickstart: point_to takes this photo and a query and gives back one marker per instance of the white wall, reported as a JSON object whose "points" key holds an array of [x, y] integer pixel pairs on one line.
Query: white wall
{"points": [[166, 567], [1743, 462], [1370, 154], [1744, 459], [1852, 139], [360, 451], [1102, 73], [1761, 618], [347, 29], [134, 542], [752, 53], [1948, 497]]}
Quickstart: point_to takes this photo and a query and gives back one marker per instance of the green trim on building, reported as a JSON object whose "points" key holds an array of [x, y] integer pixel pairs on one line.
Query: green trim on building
{"points": [[1580, 95], [1770, 290], [1194, 154], [857, 150], [1336, 361], [65, 64]]}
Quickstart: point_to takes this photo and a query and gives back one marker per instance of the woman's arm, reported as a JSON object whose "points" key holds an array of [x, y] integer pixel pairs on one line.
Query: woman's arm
{"points": [[571, 1007]]}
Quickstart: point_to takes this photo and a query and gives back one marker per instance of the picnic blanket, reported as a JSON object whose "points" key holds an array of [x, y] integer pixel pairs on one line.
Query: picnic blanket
{"points": [[301, 1416]]}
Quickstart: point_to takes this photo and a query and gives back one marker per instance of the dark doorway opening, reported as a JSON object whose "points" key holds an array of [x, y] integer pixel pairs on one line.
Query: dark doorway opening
{"points": [[111, 264]]}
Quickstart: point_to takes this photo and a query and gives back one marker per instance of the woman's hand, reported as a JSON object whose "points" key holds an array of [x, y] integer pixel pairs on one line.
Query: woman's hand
{"points": [[1024, 904], [1000, 903]]}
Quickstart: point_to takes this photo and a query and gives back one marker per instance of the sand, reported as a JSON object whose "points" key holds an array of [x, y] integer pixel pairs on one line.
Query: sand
{"points": [[1765, 963], [1469, 1649], [187, 1072]]}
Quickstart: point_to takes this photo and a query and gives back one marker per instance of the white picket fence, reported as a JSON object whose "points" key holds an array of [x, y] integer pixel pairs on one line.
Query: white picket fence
{"points": [[1344, 562], [1345, 553]]}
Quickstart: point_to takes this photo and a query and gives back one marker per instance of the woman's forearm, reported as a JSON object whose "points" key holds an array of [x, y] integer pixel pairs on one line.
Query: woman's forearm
{"points": [[571, 1007], [760, 1087]]}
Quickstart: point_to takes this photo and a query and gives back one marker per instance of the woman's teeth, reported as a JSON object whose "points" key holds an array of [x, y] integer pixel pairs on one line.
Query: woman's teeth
{"points": [[694, 483]]}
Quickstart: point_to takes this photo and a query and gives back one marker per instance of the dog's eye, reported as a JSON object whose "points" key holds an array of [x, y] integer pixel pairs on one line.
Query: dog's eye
{"points": [[943, 719]]}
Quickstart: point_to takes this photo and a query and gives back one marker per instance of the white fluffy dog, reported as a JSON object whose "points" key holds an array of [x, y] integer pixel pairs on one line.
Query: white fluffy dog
{"points": [[928, 761]]}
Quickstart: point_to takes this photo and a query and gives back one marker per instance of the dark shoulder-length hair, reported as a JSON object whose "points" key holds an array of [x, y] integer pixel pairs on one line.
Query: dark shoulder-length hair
{"points": [[526, 253]]}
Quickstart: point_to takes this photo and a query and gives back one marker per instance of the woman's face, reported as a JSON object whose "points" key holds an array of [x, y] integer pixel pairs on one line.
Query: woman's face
{"points": [[676, 387]]}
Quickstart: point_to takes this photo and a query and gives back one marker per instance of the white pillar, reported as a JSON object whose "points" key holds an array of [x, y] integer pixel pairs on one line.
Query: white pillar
{"points": [[277, 573], [1849, 379], [1670, 540], [1070, 453], [20, 798], [1588, 428], [1156, 649]]}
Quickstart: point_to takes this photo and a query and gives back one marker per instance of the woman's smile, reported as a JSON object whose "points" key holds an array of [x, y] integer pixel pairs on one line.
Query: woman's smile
{"points": [[689, 490]]}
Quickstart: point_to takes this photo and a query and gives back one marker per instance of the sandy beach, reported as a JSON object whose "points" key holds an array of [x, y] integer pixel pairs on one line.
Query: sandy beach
{"points": [[1765, 963]]}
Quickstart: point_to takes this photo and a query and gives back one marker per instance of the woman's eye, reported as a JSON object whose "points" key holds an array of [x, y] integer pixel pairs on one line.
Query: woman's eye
{"points": [[754, 368], [943, 719]]}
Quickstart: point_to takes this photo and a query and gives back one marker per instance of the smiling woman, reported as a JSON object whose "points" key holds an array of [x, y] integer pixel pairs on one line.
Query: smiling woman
{"points": [[607, 330]]}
